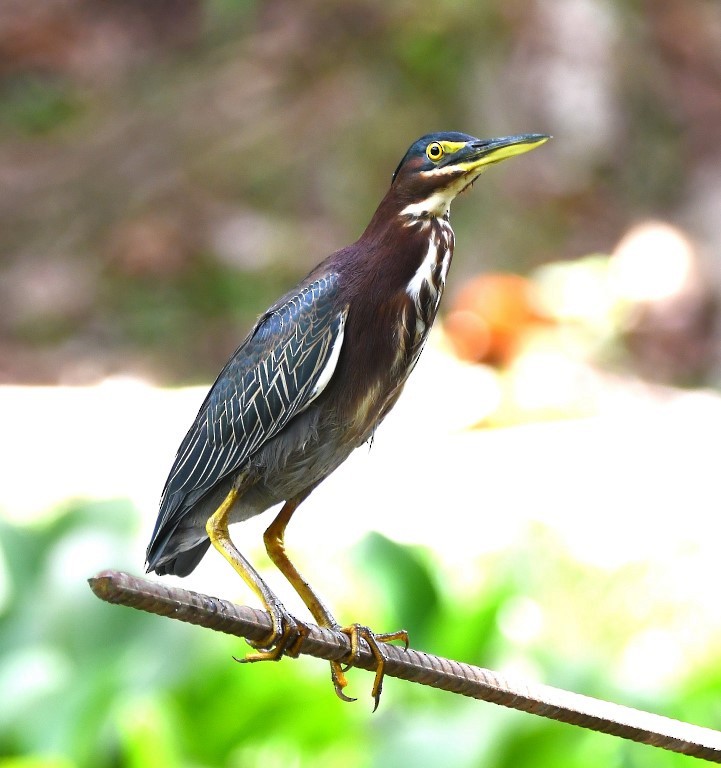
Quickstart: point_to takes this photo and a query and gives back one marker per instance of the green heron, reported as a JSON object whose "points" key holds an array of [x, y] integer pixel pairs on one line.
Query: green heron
{"points": [[313, 379]]}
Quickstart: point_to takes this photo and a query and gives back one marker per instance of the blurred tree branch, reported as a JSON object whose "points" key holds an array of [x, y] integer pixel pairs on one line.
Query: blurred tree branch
{"points": [[418, 667]]}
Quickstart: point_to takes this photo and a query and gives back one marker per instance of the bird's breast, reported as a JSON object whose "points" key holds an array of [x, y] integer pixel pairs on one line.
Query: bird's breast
{"points": [[393, 293], [425, 288]]}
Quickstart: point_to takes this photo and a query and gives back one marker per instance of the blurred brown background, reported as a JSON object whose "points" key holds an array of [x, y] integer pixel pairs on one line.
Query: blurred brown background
{"points": [[168, 168]]}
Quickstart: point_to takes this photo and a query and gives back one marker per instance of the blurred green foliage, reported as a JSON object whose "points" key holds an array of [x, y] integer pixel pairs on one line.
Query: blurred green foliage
{"points": [[36, 106], [83, 683]]}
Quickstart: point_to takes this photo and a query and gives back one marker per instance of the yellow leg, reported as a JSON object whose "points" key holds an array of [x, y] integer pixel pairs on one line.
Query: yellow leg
{"points": [[286, 633], [275, 546]]}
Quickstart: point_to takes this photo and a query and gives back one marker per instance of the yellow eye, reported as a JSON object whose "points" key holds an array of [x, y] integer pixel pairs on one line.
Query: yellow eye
{"points": [[434, 151]]}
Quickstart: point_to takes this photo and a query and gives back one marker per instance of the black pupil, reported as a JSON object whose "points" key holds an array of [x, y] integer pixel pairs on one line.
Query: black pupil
{"points": [[435, 150]]}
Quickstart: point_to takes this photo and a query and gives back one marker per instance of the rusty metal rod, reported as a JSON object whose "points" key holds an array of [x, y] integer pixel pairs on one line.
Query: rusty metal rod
{"points": [[418, 667]]}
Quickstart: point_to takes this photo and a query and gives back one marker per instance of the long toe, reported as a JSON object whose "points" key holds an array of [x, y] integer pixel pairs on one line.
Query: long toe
{"points": [[285, 638], [358, 632]]}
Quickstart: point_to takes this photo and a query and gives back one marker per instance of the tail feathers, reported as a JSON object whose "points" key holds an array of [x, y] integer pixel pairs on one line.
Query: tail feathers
{"points": [[176, 553], [183, 563]]}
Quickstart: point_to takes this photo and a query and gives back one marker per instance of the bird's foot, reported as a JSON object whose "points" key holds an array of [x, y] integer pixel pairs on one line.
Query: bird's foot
{"points": [[356, 633], [285, 639]]}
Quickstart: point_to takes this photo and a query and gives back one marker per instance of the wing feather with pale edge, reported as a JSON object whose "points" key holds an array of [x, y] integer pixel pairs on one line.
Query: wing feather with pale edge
{"points": [[283, 365]]}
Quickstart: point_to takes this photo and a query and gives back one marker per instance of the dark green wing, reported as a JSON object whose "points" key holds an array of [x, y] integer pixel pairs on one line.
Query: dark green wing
{"points": [[283, 365]]}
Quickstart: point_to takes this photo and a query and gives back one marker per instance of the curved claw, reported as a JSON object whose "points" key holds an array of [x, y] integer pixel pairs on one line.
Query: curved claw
{"points": [[339, 681], [355, 633]]}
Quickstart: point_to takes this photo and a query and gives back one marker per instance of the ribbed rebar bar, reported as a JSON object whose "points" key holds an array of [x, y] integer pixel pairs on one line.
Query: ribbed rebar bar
{"points": [[415, 666]]}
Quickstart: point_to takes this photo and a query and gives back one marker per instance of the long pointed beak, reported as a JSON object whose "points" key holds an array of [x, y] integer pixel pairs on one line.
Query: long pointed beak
{"points": [[477, 154]]}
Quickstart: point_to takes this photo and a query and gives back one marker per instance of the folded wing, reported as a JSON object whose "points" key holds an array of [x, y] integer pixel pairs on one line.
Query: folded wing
{"points": [[284, 364]]}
